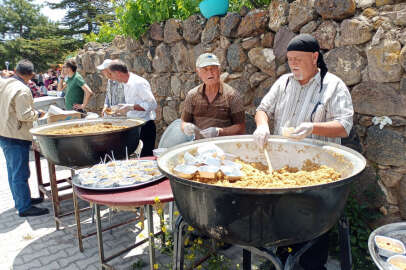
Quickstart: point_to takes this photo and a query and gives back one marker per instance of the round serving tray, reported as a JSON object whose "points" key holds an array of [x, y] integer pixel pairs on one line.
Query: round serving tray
{"points": [[76, 181], [393, 230]]}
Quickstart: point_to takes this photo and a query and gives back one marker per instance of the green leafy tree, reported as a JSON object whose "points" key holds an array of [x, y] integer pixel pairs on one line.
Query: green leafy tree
{"points": [[17, 17], [84, 16], [26, 33]]}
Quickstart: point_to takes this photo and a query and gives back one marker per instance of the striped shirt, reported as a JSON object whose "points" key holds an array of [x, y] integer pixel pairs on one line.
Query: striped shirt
{"points": [[225, 110], [114, 93], [289, 104]]}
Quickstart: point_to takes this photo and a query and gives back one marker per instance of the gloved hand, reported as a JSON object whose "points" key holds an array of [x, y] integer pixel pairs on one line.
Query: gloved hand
{"points": [[210, 132], [189, 129], [261, 135], [123, 109], [302, 131]]}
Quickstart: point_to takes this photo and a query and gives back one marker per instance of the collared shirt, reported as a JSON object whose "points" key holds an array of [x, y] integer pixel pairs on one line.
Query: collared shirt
{"points": [[289, 103], [114, 93], [225, 110], [138, 91]]}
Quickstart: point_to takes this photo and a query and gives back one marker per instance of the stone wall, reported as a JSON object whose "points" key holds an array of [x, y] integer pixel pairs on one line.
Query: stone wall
{"points": [[364, 44]]}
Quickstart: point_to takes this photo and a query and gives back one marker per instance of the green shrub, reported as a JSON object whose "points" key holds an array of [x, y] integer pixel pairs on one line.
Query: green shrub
{"points": [[106, 33], [135, 16]]}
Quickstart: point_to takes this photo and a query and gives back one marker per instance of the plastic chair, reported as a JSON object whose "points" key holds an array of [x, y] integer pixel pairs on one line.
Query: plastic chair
{"points": [[173, 135]]}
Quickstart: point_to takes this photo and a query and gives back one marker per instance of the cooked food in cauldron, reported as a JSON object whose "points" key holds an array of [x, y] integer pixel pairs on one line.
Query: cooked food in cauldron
{"points": [[209, 164], [84, 129]]}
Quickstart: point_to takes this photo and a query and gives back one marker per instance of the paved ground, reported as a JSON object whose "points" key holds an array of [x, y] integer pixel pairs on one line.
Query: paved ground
{"points": [[33, 243]]}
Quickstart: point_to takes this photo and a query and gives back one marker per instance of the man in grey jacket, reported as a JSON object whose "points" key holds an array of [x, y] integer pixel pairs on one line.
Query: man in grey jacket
{"points": [[16, 109]]}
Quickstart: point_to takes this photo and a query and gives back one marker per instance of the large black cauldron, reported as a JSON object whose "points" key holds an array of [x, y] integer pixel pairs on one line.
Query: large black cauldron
{"points": [[261, 217], [88, 149]]}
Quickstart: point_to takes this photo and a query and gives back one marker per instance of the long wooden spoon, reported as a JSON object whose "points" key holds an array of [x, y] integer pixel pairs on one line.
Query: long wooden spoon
{"points": [[268, 160]]}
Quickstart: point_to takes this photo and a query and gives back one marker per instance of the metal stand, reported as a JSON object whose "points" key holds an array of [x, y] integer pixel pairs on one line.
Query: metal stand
{"points": [[345, 244], [292, 260]]}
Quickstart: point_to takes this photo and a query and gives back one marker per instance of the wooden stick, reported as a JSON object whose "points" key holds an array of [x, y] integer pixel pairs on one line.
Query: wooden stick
{"points": [[268, 160]]}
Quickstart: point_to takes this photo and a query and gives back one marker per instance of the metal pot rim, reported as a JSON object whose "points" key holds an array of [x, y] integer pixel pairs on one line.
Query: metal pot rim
{"points": [[243, 138], [37, 130]]}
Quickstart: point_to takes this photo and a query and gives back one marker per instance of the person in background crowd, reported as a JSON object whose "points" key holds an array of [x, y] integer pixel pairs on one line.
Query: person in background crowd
{"points": [[35, 90], [78, 93], [317, 103], [16, 103], [114, 90], [52, 81], [213, 108], [139, 102]]}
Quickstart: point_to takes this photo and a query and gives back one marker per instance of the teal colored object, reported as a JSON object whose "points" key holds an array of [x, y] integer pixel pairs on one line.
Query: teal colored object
{"points": [[210, 8]]}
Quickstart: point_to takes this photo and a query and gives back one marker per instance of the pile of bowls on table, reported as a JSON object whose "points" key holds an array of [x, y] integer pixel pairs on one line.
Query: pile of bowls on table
{"points": [[387, 248]]}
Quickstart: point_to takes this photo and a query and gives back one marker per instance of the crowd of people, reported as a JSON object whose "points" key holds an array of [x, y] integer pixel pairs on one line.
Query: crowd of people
{"points": [[41, 82], [316, 103]]}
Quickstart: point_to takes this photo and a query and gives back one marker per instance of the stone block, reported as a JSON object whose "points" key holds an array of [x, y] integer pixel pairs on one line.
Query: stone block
{"points": [[385, 147], [229, 24], [278, 14], [192, 28], [211, 31], [347, 63], [300, 13], [254, 23], [335, 9], [264, 59]]}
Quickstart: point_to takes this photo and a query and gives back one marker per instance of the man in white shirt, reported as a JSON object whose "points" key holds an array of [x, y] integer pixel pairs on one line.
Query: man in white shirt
{"points": [[139, 102]]}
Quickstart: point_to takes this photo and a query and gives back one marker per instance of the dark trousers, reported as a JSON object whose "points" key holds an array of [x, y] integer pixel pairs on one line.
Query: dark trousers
{"points": [[148, 136], [314, 258]]}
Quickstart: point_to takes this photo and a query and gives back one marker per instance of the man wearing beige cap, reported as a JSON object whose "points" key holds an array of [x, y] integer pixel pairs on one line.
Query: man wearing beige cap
{"points": [[114, 89], [213, 108]]}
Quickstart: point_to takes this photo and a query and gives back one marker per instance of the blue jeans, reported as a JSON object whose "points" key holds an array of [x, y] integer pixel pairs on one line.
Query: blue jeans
{"points": [[18, 170]]}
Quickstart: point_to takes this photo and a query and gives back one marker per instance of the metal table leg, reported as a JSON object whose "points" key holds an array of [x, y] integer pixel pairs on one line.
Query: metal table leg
{"points": [[345, 243], [246, 259], [150, 220], [178, 249], [77, 219], [99, 235], [171, 206]]}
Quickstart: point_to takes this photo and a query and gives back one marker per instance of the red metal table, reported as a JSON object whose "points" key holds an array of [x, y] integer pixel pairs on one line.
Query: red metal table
{"points": [[141, 197]]}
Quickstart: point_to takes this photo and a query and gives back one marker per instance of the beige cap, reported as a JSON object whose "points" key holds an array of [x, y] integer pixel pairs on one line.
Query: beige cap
{"points": [[207, 59], [105, 64]]}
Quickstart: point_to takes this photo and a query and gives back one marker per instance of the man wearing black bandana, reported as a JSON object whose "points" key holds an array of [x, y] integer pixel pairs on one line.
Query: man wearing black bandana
{"points": [[310, 102]]}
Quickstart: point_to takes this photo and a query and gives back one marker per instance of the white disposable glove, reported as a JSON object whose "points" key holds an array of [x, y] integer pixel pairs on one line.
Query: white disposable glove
{"points": [[261, 135], [123, 109], [189, 129], [302, 131], [210, 132]]}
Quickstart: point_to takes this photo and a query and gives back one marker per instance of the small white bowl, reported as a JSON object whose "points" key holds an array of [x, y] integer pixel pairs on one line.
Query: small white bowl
{"points": [[387, 246], [397, 259]]}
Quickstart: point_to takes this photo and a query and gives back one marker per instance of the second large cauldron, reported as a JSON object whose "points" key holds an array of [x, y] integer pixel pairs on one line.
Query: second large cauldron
{"points": [[88, 149], [262, 217]]}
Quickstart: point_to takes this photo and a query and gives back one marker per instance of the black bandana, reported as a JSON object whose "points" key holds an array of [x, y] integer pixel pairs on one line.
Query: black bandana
{"points": [[307, 43]]}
